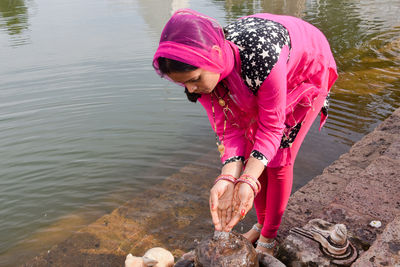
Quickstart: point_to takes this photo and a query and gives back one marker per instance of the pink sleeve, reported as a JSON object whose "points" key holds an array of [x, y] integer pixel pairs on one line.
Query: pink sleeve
{"points": [[233, 139], [271, 98]]}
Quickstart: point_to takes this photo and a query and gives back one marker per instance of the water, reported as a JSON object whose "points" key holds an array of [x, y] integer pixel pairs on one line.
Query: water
{"points": [[85, 123]]}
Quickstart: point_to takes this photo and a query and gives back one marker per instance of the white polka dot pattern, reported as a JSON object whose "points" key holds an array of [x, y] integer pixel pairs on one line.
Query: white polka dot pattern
{"points": [[260, 42]]}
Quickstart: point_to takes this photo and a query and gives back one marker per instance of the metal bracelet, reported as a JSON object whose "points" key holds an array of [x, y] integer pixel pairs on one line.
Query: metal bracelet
{"points": [[250, 183], [256, 228], [252, 178], [266, 245], [226, 177]]}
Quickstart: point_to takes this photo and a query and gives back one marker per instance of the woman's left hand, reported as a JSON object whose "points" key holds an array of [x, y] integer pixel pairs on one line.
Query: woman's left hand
{"points": [[221, 195], [243, 198]]}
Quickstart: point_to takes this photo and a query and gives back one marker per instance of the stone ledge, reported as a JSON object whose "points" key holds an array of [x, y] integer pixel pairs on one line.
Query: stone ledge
{"points": [[361, 186], [375, 191], [386, 249]]}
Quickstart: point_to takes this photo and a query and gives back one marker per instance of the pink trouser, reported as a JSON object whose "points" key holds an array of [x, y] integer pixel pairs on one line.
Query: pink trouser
{"points": [[276, 183]]}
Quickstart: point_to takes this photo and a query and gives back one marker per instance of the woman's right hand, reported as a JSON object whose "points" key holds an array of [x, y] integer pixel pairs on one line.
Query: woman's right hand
{"points": [[221, 197]]}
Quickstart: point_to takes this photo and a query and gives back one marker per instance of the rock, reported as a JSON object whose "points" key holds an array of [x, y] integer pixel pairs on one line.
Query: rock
{"points": [[266, 260], [187, 260], [385, 251], [232, 250], [155, 257]]}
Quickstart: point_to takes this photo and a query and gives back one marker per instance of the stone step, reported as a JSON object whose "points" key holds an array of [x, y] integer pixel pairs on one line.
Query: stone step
{"points": [[385, 251], [361, 186], [372, 195], [323, 189]]}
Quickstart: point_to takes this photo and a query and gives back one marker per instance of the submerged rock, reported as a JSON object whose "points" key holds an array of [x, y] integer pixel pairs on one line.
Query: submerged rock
{"points": [[225, 249]]}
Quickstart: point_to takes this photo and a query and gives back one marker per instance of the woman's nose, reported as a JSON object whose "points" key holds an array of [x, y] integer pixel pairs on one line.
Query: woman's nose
{"points": [[191, 88]]}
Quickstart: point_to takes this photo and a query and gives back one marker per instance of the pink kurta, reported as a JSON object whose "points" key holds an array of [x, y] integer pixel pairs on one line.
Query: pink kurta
{"points": [[258, 122]]}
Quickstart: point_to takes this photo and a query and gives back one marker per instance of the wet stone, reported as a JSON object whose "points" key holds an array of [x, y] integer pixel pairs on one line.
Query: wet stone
{"points": [[224, 251], [385, 251], [391, 124], [393, 151]]}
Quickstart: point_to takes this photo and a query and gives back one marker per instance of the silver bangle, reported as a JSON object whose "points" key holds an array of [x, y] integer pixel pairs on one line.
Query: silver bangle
{"points": [[266, 245], [256, 228]]}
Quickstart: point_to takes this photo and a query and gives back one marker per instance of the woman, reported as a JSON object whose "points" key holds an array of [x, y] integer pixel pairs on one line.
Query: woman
{"points": [[262, 80]]}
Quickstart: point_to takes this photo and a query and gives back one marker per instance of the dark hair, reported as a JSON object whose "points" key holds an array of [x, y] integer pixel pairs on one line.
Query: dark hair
{"points": [[192, 97], [167, 65]]}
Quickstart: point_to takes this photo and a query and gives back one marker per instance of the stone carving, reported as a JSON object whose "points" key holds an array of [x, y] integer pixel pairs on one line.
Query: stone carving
{"points": [[332, 239]]}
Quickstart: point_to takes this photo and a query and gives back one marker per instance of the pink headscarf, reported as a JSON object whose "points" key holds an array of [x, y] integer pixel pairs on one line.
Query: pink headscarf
{"points": [[198, 40]]}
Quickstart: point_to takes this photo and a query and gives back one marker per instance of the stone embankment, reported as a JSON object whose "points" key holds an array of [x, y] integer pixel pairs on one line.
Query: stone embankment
{"points": [[361, 186]]}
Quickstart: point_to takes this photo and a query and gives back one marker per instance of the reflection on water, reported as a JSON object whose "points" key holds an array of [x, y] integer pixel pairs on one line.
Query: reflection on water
{"points": [[365, 41], [156, 13], [85, 123], [14, 19], [239, 8]]}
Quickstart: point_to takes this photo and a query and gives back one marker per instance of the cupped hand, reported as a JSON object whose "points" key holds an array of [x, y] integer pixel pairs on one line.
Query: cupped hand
{"points": [[243, 198], [221, 196]]}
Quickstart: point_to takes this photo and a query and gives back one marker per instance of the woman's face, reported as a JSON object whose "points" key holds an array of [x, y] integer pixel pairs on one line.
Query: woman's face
{"points": [[198, 81]]}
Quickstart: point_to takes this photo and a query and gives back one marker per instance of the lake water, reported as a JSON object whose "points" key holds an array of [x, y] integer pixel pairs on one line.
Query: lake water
{"points": [[85, 123]]}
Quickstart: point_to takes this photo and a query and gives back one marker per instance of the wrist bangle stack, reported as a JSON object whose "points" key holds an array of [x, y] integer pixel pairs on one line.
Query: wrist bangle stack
{"points": [[226, 177], [251, 181], [254, 179]]}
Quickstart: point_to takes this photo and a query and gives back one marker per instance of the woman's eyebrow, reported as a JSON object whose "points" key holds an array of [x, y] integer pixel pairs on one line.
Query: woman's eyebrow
{"points": [[192, 79]]}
